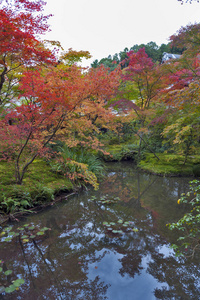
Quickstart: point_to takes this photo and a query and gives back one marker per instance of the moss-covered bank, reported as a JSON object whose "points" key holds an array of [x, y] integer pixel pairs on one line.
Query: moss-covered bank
{"points": [[167, 165], [39, 188], [170, 165]]}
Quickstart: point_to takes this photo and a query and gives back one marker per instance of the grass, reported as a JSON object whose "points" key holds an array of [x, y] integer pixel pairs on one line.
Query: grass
{"points": [[39, 171], [169, 164], [40, 185]]}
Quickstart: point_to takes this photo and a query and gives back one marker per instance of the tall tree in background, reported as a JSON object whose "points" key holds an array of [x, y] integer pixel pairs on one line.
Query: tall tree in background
{"points": [[146, 78], [188, 1], [183, 93]]}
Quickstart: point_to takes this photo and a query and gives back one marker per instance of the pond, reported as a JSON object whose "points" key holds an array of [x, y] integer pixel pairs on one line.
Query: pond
{"points": [[107, 244]]}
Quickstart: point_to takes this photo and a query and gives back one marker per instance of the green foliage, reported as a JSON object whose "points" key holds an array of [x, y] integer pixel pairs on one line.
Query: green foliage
{"points": [[55, 146], [128, 152], [121, 152], [119, 227], [40, 186], [183, 132], [6, 287], [106, 200], [196, 170], [189, 224], [26, 233], [78, 164], [11, 205], [151, 48], [169, 164], [42, 193], [20, 198], [80, 155]]}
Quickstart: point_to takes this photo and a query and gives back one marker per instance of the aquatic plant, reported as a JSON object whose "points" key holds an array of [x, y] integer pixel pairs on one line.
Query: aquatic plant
{"points": [[119, 227], [106, 199], [5, 288], [25, 233]]}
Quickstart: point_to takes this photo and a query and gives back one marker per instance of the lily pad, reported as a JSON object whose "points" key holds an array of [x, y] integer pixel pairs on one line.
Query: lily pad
{"points": [[25, 241], [32, 236], [40, 233], [18, 282], [24, 236], [44, 229], [8, 228], [120, 221], [8, 272], [31, 227], [10, 289], [8, 239]]}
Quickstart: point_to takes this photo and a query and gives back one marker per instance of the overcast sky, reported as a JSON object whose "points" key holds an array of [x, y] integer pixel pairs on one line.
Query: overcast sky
{"points": [[108, 26]]}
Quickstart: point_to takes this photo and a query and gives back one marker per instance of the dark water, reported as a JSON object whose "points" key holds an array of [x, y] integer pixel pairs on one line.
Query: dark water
{"points": [[80, 259]]}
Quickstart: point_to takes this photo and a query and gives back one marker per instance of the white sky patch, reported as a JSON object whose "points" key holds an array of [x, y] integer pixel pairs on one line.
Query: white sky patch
{"points": [[106, 27]]}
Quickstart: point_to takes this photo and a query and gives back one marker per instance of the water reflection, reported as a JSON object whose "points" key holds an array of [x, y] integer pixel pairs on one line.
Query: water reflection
{"points": [[80, 259]]}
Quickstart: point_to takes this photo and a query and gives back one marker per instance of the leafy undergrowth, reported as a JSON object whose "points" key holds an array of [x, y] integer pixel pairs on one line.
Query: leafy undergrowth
{"points": [[119, 152], [40, 185], [169, 164]]}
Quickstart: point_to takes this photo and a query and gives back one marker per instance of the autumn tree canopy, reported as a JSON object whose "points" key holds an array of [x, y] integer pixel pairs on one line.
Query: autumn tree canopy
{"points": [[21, 22]]}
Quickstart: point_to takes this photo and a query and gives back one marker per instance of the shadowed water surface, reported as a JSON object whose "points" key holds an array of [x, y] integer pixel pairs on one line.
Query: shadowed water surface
{"points": [[84, 256]]}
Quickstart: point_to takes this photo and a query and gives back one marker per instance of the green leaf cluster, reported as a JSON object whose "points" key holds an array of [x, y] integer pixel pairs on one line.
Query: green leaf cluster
{"points": [[189, 224]]}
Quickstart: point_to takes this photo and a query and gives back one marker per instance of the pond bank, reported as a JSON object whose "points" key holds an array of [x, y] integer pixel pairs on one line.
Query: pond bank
{"points": [[17, 215], [41, 186], [167, 165]]}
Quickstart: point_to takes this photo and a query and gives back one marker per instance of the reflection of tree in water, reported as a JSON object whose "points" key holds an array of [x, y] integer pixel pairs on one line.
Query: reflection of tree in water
{"points": [[131, 263], [181, 275], [59, 273], [57, 267]]}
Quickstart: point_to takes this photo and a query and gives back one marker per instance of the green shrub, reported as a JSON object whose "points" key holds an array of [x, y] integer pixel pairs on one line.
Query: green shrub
{"points": [[189, 225], [196, 170], [83, 156]]}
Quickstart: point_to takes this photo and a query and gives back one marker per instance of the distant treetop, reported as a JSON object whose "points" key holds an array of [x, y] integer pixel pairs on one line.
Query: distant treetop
{"points": [[151, 49], [188, 1]]}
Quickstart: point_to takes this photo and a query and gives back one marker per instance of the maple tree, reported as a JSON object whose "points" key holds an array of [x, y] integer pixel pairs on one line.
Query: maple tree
{"points": [[182, 95], [21, 23], [144, 78], [62, 103], [42, 97], [145, 74], [182, 128]]}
